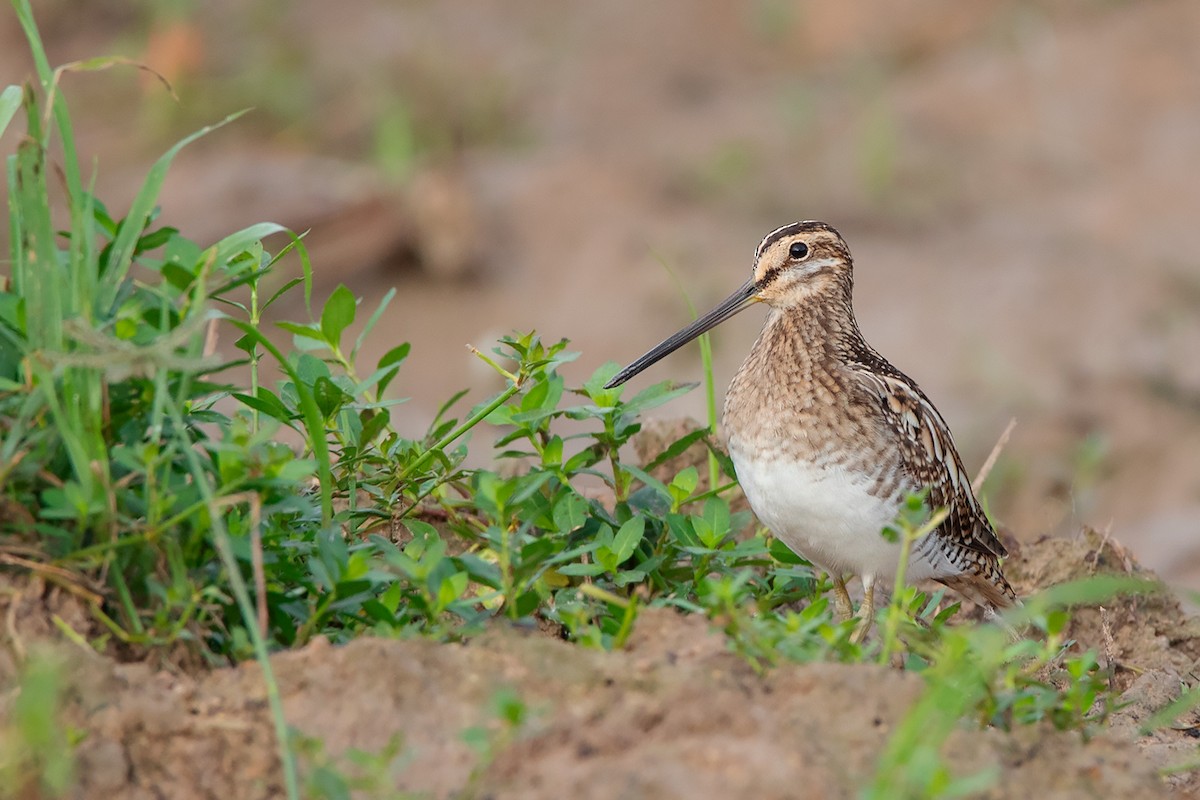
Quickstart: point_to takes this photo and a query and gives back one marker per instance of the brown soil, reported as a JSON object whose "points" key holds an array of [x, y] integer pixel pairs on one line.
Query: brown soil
{"points": [[672, 715], [1013, 179]]}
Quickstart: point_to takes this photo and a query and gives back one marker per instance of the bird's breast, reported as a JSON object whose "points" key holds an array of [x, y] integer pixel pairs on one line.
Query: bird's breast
{"points": [[830, 513], [813, 460]]}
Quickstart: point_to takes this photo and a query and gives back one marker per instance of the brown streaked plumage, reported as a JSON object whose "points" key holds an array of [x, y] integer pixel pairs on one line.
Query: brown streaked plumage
{"points": [[829, 438]]}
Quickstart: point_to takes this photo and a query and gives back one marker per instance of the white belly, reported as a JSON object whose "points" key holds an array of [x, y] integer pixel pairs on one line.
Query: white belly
{"points": [[827, 515]]}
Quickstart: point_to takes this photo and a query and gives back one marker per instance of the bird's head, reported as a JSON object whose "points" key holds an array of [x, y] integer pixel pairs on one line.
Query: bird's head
{"points": [[793, 263]]}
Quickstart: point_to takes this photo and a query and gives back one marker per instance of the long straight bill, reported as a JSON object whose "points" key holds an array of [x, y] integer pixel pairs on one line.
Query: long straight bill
{"points": [[731, 305]]}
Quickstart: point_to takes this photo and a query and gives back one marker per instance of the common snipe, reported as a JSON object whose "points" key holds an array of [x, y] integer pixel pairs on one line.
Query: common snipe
{"points": [[829, 439]]}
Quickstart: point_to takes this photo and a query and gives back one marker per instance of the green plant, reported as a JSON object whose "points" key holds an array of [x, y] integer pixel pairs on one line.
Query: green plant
{"points": [[36, 747], [983, 672], [510, 715], [353, 774], [912, 523]]}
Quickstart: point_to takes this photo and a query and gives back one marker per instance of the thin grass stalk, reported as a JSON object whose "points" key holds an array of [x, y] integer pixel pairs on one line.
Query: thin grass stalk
{"points": [[58, 104], [706, 361], [894, 612], [476, 418], [241, 594]]}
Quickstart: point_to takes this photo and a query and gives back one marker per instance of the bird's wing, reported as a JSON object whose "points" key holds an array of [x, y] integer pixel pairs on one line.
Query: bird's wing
{"points": [[931, 459]]}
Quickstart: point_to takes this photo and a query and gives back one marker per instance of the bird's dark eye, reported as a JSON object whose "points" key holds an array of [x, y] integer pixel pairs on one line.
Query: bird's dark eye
{"points": [[798, 250]]}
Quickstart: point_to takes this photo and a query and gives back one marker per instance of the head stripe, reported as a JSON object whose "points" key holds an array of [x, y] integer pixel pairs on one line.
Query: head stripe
{"points": [[791, 229]]}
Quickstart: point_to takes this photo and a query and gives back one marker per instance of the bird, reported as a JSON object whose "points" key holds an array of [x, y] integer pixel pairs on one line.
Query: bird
{"points": [[828, 439]]}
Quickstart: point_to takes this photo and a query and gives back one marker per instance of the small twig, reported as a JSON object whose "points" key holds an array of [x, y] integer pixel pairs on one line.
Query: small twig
{"points": [[63, 578], [72, 635], [591, 590], [991, 459], [10, 624], [211, 335], [1110, 644], [1095, 555]]}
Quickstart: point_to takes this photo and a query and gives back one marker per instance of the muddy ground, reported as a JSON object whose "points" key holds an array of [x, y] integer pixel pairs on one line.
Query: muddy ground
{"points": [[674, 714], [1015, 179]]}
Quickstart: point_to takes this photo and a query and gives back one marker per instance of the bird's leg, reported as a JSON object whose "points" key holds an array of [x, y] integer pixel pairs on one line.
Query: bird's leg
{"points": [[841, 599], [866, 612]]}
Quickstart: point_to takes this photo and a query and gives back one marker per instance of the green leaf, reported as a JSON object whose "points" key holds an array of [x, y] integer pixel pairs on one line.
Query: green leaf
{"points": [[583, 459], [329, 396], [337, 315], [179, 277], [125, 329], [594, 386], [628, 576], [537, 551], [527, 603], [298, 470], [724, 460], [628, 538], [392, 358], [581, 570], [652, 482], [708, 529], [655, 396], [540, 402], [309, 369], [304, 337], [10, 101], [373, 422], [183, 253], [267, 402], [684, 484], [606, 558], [155, 239], [374, 318], [529, 485], [450, 589], [313, 423], [784, 554], [121, 256], [677, 447], [553, 452], [224, 251], [281, 291], [379, 612], [569, 512], [716, 516]]}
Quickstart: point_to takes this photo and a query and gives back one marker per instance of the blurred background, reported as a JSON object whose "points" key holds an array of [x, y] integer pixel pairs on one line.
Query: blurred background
{"points": [[1017, 181]]}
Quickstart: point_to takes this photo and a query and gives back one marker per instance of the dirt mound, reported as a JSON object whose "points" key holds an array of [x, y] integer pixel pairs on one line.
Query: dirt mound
{"points": [[1151, 646], [1137, 633], [673, 715]]}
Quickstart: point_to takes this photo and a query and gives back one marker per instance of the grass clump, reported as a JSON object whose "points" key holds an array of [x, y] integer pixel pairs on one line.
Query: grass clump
{"points": [[159, 491]]}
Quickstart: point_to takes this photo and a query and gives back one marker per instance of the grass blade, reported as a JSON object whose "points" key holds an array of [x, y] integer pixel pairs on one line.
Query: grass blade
{"points": [[10, 101], [121, 255]]}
